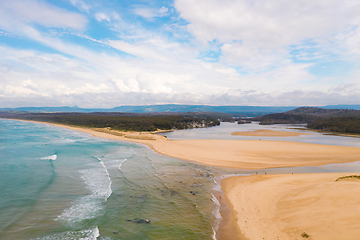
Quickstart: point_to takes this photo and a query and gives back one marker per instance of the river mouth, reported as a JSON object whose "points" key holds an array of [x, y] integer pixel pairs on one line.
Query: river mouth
{"points": [[96, 188]]}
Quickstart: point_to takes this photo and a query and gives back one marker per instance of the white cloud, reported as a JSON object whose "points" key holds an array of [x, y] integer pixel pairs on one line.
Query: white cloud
{"points": [[102, 17], [163, 11], [269, 24], [81, 5], [350, 41], [14, 13], [252, 59], [149, 13], [254, 40], [259, 35], [131, 86], [346, 89], [138, 50]]}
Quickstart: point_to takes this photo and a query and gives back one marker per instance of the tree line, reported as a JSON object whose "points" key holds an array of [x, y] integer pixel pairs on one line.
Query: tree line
{"points": [[337, 124], [123, 122]]}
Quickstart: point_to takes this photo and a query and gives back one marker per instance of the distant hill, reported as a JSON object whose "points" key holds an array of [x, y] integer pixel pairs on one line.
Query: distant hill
{"points": [[322, 112], [305, 115], [333, 120], [284, 118], [249, 111], [355, 107]]}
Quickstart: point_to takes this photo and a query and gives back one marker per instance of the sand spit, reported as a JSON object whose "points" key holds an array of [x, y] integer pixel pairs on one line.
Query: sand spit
{"points": [[243, 154], [287, 206], [269, 133], [296, 206]]}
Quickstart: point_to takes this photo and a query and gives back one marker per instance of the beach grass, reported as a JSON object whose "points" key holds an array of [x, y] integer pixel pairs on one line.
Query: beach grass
{"points": [[348, 177]]}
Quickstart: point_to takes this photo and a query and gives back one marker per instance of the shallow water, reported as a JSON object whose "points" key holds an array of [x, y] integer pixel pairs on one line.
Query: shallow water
{"points": [[225, 129], [60, 184]]}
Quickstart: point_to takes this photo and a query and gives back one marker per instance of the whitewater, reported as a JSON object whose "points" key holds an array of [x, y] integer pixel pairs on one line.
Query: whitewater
{"points": [[61, 184]]}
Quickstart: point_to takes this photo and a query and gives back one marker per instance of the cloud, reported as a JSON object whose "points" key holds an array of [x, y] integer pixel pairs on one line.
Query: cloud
{"points": [[149, 13], [131, 86], [214, 52], [59, 80], [81, 5], [102, 17], [252, 59], [260, 35], [138, 50], [265, 24], [346, 89], [14, 13]]}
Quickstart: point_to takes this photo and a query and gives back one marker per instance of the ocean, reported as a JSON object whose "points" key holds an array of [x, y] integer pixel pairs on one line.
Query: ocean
{"points": [[61, 184]]}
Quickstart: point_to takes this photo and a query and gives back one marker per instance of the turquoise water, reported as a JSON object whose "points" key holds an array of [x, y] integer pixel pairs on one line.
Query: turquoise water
{"points": [[60, 184]]}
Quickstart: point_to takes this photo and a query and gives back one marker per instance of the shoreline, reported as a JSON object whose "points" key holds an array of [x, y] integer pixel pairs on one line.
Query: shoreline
{"points": [[236, 154], [356, 135], [228, 228], [162, 145], [295, 206]]}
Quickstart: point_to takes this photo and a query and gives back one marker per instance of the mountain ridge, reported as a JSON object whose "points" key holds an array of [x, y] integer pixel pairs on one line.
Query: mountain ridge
{"points": [[250, 111]]}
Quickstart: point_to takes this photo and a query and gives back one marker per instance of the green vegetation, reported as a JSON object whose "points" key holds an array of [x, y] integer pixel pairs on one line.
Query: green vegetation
{"points": [[348, 177], [332, 120], [123, 121], [322, 112], [338, 124], [284, 118]]}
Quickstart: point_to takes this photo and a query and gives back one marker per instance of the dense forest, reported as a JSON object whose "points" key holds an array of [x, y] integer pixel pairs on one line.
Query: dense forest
{"points": [[322, 112], [125, 122], [337, 124], [334, 120], [285, 118]]}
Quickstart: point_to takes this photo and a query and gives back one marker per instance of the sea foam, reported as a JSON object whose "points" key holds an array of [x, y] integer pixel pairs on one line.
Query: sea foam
{"points": [[51, 157], [216, 214], [87, 234], [115, 164], [97, 180]]}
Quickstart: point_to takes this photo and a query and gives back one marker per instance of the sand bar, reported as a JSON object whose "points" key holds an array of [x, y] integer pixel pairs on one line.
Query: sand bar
{"points": [[288, 206], [283, 206], [269, 133], [244, 154]]}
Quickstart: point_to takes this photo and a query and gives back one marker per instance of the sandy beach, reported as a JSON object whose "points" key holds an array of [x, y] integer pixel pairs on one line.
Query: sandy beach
{"points": [[271, 206], [296, 206], [242, 154]]}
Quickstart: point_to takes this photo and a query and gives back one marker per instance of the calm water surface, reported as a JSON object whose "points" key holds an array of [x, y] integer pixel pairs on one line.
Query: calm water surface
{"points": [[225, 129]]}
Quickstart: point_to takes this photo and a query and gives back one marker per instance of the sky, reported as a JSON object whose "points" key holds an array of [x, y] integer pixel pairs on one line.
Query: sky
{"points": [[110, 53]]}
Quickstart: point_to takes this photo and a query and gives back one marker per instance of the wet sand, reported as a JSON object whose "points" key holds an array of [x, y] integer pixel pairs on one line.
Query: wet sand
{"points": [[269, 133], [293, 206]]}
